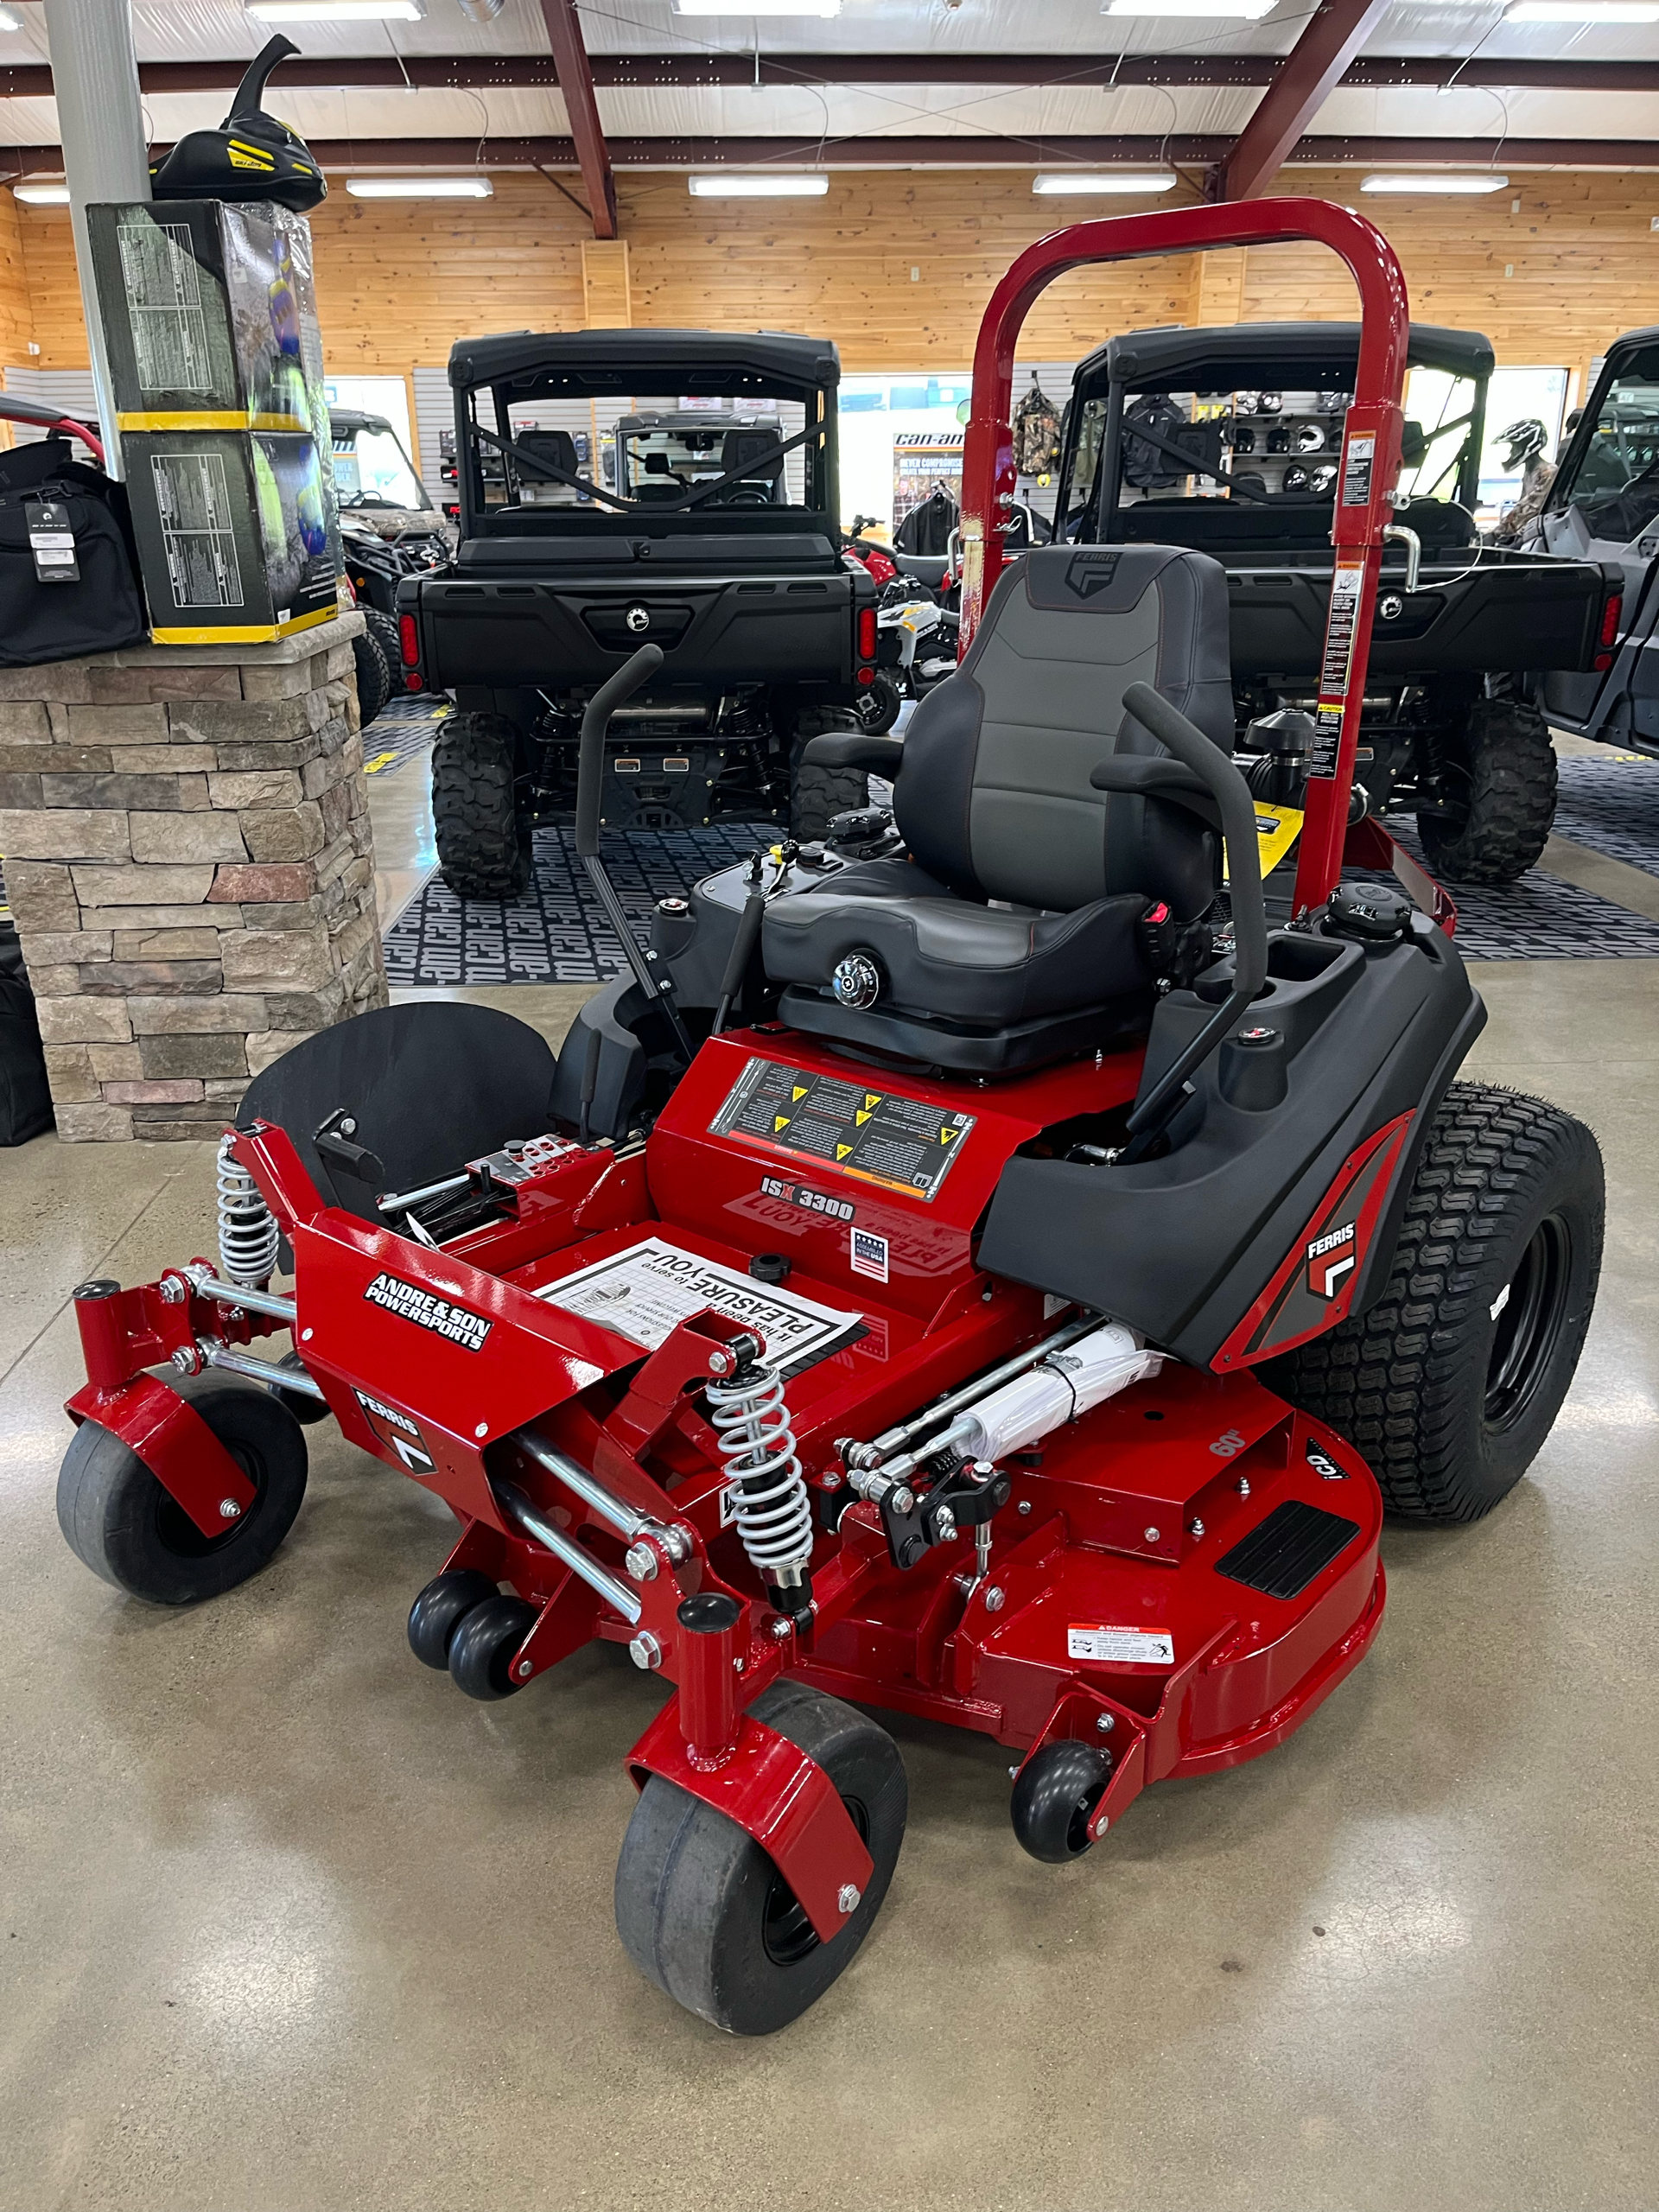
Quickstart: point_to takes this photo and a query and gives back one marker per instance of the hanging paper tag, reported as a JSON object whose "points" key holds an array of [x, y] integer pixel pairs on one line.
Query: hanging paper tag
{"points": [[51, 541]]}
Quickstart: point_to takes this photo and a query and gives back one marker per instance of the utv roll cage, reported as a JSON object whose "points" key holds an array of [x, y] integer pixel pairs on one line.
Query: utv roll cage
{"points": [[492, 376]]}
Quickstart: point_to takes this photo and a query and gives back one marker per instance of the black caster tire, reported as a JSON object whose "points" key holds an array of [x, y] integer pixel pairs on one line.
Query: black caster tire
{"points": [[703, 1912], [119, 1520], [1057, 1790], [1451, 1381], [306, 1410], [483, 847], [438, 1609], [481, 1648]]}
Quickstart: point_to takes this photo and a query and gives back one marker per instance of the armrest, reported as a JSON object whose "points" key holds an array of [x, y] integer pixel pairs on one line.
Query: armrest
{"points": [[856, 749], [1145, 777]]}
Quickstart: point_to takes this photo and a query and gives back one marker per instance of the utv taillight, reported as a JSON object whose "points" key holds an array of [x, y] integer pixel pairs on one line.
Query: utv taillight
{"points": [[408, 641], [1609, 618], [867, 633]]}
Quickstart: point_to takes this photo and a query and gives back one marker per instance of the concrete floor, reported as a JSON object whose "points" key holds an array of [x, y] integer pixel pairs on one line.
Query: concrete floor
{"points": [[286, 1923]]}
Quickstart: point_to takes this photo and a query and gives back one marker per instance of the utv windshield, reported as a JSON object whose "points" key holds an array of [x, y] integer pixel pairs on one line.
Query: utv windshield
{"points": [[372, 470], [1615, 484]]}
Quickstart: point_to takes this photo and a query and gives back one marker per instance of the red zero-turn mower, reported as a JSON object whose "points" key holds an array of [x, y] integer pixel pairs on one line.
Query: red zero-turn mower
{"points": [[953, 1271]]}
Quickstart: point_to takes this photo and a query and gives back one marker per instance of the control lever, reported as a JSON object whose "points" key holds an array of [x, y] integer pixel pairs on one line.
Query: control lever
{"points": [[1414, 546], [637, 670]]}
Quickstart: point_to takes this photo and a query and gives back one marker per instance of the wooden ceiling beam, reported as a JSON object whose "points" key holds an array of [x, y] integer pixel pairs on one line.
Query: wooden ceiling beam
{"points": [[582, 111], [1330, 40]]}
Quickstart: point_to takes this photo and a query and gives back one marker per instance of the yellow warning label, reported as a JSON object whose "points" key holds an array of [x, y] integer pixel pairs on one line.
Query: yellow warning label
{"points": [[860, 1117], [1277, 829], [945, 1135], [842, 1151], [800, 1092], [779, 1121], [872, 1098]]}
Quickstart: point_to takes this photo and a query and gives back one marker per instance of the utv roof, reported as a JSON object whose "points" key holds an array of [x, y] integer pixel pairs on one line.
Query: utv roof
{"points": [[703, 362], [1252, 356], [348, 421]]}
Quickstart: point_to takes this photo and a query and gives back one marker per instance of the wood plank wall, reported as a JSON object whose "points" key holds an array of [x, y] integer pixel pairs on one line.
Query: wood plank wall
{"points": [[897, 268]]}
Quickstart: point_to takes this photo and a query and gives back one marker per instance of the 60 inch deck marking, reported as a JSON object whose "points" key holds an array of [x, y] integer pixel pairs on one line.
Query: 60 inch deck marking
{"points": [[878, 1136]]}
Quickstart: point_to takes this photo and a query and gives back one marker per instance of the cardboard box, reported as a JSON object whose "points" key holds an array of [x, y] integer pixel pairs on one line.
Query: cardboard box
{"points": [[215, 354], [234, 534]]}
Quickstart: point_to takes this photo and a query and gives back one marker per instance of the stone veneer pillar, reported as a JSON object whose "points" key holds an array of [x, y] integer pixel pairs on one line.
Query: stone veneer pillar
{"points": [[185, 836]]}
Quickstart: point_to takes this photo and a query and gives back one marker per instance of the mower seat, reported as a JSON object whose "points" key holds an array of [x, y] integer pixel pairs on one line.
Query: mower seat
{"points": [[1010, 934]]}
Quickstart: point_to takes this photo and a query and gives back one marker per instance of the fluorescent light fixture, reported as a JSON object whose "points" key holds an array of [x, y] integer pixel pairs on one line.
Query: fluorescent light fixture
{"points": [[1253, 10], [42, 195], [337, 11], [1089, 181], [1583, 11], [823, 8], [1436, 180], [10, 20], [419, 187], [712, 184]]}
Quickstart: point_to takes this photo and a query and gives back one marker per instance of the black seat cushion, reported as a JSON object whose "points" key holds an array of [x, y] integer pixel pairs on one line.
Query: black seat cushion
{"points": [[1024, 886]]}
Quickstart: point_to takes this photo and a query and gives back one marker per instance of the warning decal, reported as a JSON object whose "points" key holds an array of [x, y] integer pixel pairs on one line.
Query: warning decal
{"points": [[1132, 1647], [1345, 580], [902, 1144]]}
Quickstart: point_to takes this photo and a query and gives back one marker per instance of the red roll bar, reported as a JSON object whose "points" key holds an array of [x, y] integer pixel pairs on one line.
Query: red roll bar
{"points": [[1370, 452]]}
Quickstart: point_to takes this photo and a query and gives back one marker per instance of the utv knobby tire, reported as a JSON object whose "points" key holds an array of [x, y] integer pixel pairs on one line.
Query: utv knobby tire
{"points": [[483, 850], [1448, 1385], [373, 680], [119, 1520], [383, 629], [704, 1913], [816, 795], [1497, 795]]}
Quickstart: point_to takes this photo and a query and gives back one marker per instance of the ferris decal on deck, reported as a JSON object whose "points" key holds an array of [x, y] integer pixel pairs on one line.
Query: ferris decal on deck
{"points": [[401, 1435], [1330, 1260], [878, 1136], [428, 1311]]}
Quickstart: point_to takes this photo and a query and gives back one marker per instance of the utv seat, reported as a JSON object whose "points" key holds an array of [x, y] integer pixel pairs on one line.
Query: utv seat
{"points": [[1011, 936]]}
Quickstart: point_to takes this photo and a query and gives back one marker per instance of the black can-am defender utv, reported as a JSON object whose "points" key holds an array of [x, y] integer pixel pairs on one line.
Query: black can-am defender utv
{"points": [[710, 530], [1228, 440]]}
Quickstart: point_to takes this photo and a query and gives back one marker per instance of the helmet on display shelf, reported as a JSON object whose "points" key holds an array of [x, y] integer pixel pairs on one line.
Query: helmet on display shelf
{"points": [[1251, 477], [1246, 403], [1295, 478], [250, 157], [1269, 403], [1243, 438], [1279, 438], [1323, 479], [1335, 403], [1309, 438]]}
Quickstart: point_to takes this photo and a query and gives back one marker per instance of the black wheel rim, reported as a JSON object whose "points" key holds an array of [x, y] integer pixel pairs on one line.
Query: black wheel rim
{"points": [[1528, 1323], [1077, 1837], [788, 1935], [179, 1533]]}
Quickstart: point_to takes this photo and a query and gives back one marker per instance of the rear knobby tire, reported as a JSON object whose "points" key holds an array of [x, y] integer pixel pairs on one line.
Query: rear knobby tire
{"points": [[483, 851], [816, 795], [704, 1913], [1497, 795], [383, 629], [119, 1520], [373, 680], [1450, 1383]]}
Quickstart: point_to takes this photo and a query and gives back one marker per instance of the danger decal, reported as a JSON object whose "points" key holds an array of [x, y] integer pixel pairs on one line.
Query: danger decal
{"points": [[428, 1311], [877, 1136]]}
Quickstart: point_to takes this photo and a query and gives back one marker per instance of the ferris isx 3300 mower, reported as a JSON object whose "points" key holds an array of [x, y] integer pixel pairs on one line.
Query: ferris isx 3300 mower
{"points": [[952, 1271]]}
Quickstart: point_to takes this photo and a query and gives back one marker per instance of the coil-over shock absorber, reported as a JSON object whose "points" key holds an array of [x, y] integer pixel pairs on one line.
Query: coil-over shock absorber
{"points": [[249, 1239], [770, 1502]]}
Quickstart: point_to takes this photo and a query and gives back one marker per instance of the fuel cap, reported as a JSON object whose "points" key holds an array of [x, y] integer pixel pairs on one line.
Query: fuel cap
{"points": [[1374, 912]]}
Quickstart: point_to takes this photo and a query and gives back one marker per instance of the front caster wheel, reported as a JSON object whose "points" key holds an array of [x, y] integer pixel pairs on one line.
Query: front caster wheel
{"points": [[439, 1609], [704, 1913], [481, 1648], [119, 1520], [1054, 1797]]}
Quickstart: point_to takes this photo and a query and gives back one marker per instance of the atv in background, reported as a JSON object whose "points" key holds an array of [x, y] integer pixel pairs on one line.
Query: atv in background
{"points": [[1604, 506], [389, 529], [708, 529], [1229, 440]]}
